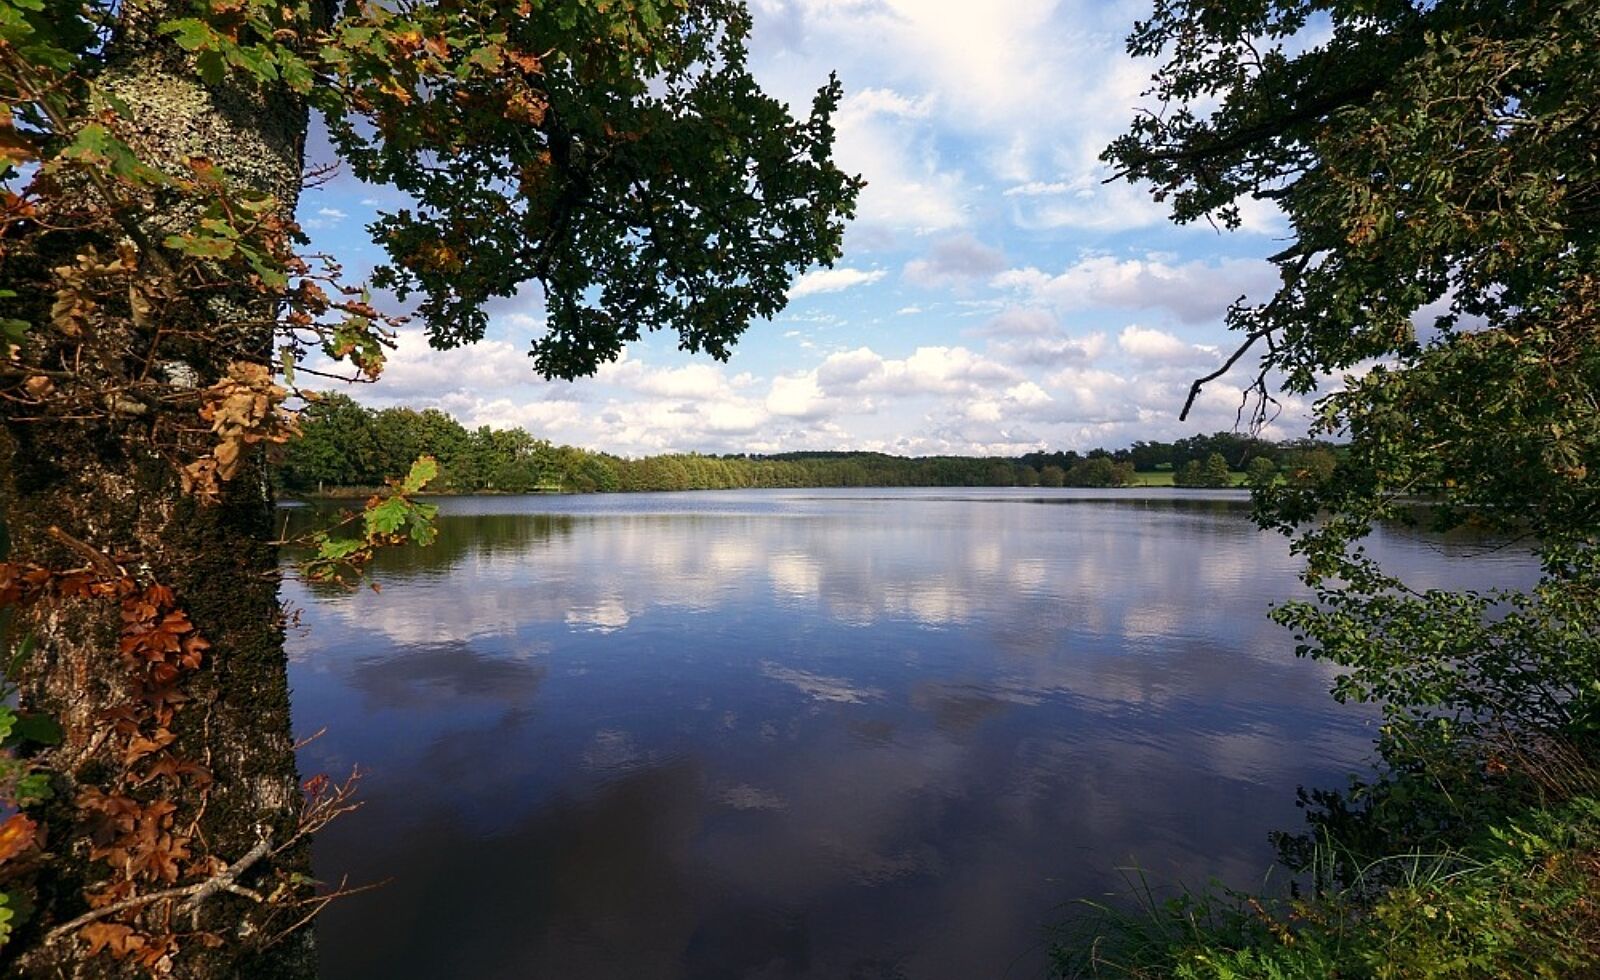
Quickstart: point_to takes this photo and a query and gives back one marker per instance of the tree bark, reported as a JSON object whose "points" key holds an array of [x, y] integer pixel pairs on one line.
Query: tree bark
{"points": [[104, 484]]}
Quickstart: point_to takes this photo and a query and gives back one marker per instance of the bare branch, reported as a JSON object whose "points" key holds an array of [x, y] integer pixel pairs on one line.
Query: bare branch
{"points": [[222, 881], [1194, 389]]}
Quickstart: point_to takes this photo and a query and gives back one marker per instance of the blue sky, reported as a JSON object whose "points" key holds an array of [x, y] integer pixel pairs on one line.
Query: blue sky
{"points": [[994, 296]]}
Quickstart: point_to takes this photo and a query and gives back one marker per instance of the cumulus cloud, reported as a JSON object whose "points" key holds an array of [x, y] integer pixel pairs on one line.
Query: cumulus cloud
{"points": [[324, 218], [1157, 346], [927, 370], [1193, 292], [1021, 322], [997, 72], [798, 396], [1049, 351], [833, 281], [415, 370], [1033, 337], [955, 262]]}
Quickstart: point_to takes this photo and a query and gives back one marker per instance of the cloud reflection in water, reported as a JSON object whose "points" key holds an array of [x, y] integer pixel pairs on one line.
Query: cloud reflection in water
{"points": [[804, 734]]}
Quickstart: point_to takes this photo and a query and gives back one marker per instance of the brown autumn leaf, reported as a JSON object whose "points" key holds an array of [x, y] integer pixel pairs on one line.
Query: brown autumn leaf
{"points": [[119, 939], [160, 857], [141, 746], [175, 770], [194, 647], [16, 836], [16, 147], [119, 890], [157, 955]]}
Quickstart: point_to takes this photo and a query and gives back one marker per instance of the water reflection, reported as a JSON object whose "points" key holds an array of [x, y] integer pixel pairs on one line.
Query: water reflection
{"points": [[807, 734]]}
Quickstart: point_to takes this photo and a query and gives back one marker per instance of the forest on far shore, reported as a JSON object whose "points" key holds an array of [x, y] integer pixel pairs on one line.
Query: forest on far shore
{"points": [[346, 445]]}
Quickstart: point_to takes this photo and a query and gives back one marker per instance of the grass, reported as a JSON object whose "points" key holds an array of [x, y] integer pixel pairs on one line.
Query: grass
{"points": [[1523, 901], [1163, 478]]}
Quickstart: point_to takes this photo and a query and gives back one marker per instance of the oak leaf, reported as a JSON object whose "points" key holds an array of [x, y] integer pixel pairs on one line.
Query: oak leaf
{"points": [[119, 939], [16, 835]]}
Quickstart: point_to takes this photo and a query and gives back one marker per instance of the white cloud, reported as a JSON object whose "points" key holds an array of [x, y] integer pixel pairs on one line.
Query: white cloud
{"points": [[415, 370], [887, 102], [1157, 346], [1192, 291], [882, 138], [833, 281], [797, 397], [1039, 188], [928, 370]]}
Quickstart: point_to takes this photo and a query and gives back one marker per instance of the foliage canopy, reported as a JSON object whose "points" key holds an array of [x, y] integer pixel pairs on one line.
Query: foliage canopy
{"points": [[1437, 166]]}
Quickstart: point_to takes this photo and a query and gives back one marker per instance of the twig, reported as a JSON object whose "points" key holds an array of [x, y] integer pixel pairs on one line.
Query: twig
{"points": [[193, 895], [1194, 389], [226, 880], [320, 902], [96, 558]]}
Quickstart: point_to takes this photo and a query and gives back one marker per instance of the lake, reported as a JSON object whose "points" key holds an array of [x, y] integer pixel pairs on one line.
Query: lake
{"points": [[834, 734]]}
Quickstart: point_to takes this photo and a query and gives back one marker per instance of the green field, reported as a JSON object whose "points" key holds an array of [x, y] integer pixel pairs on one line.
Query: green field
{"points": [[1163, 478]]}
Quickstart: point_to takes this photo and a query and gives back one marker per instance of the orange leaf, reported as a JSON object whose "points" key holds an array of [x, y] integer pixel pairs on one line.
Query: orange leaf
{"points": [[119, 939], [16, 836]]}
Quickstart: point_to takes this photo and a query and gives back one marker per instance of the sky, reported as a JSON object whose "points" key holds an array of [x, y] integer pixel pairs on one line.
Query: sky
{"points": [[995, 296]]}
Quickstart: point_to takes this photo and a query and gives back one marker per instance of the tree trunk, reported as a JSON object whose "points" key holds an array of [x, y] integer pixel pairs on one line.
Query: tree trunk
{"points": [[103, 484]]}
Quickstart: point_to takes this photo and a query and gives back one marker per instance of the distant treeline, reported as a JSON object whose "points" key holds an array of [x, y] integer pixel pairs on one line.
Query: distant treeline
{"points": [[346, 445]]}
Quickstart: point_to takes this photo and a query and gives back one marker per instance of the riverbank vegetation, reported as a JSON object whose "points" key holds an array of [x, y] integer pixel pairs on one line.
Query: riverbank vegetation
{"points": [[345, 447], [1436, 164]]}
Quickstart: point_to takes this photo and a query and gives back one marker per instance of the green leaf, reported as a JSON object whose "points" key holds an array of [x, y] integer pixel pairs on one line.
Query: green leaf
{"points": [[387, 517], [37, 727], [34, 788], [423, 531], [95, 144], [19, 656], [212, 66], [423, 470], [202, 247], [270, 273], [338, 549], [191, 34]]}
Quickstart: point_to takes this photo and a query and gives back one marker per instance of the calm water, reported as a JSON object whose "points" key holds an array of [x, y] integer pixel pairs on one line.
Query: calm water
{"points": [[782, 734]]}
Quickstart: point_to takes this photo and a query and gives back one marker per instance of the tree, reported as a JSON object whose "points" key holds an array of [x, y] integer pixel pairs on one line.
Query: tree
{"points": [[1436, 164], [618, 158], [339, 446], [1261, 471], [1211, 472], [1098, 471]]}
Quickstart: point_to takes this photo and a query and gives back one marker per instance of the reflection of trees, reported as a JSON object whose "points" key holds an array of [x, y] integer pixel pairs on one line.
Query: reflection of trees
{"points": [[459, 535], [1098, 667]]}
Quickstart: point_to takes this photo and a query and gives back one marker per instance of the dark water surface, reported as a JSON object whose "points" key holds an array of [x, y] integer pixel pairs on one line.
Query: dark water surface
{"points": [[832, 734]]}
